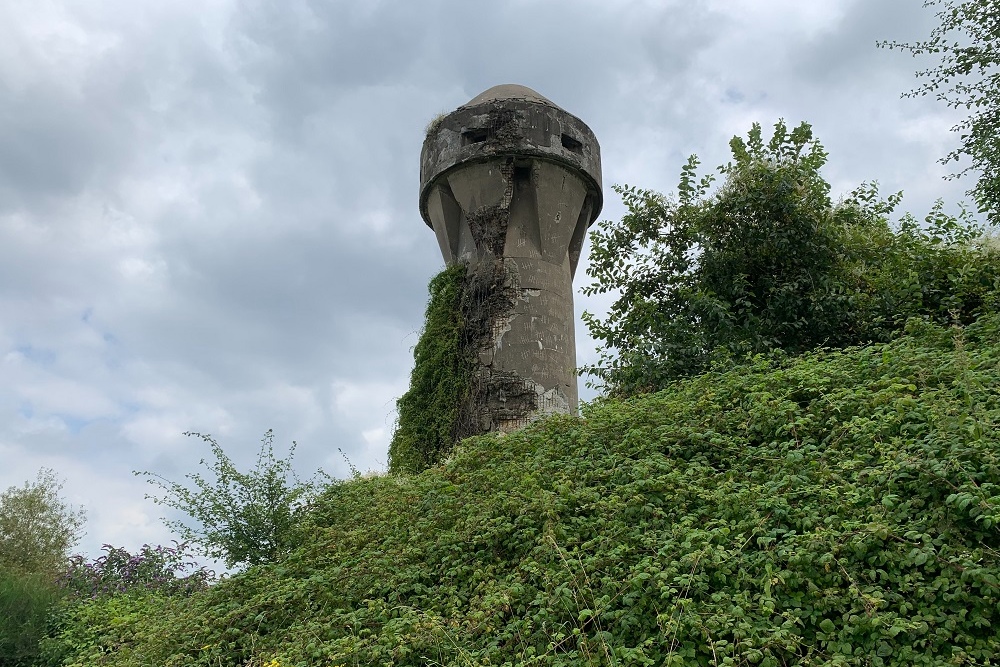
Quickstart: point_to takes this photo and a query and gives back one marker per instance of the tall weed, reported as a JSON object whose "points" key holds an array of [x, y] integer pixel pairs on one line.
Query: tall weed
{"points": [[25, 601]]}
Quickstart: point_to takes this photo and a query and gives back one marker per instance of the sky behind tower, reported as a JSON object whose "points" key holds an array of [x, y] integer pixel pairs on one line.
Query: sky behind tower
{"points": [[208, 210]]}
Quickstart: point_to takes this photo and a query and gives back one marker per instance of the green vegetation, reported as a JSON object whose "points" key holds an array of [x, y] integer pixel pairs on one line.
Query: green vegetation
{"points": [[162, 569], [767, 263], [967, 40], [26, 599], [816, 480], [839, 507], [451, 396], [429, 411], [241, 518], [37, 527], [112, 590]]}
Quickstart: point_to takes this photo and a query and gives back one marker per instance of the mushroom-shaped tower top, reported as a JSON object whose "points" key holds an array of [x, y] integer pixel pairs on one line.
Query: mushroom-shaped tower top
{"points": [[509, 91], [510, 122]]}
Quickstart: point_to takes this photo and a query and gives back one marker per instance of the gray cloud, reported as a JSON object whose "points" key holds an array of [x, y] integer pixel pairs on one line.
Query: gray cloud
{"points": [[208, 211]]}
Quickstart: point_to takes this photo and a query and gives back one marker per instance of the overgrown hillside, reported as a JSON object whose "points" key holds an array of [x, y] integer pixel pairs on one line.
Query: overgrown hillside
{"points": [[837, 508]]}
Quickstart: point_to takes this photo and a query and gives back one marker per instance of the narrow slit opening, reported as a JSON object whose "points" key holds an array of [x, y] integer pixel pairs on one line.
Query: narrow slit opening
{"points": [[476, 135], [571, 144]]}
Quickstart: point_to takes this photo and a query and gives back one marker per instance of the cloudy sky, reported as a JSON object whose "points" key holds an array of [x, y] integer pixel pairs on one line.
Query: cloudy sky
{"points": [[208, 209]]}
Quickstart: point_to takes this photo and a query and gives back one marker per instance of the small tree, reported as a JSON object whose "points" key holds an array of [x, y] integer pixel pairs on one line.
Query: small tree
{"points": [[767, 262], [37, 530], [705, 276], [241, 518], [37, 527], [967, 41]]}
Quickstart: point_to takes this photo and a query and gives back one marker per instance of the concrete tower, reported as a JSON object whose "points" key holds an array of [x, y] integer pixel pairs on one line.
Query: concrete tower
{"points": [[510, 182]]}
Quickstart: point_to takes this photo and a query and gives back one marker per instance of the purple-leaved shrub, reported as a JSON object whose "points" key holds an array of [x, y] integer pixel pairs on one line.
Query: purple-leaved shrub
{"points": [[160, 568]]}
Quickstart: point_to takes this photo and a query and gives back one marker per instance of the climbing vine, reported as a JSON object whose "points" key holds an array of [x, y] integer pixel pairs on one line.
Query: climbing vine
{"points": [[453, 386], [429, 410]]}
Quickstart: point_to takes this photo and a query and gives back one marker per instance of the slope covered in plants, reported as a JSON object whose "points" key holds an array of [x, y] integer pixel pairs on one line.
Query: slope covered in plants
{"points": [[840, 507]]}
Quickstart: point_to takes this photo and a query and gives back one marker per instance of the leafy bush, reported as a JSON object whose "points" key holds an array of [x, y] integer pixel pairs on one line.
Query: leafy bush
{"points": [[943, 270], [167, 569], [100, 630], [25, 602], [241, 518], [767, 262], [113, 591], [842, 507]]}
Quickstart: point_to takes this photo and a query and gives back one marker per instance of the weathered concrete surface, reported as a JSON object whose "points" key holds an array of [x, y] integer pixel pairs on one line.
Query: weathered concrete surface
{"points": [[511, 180]]}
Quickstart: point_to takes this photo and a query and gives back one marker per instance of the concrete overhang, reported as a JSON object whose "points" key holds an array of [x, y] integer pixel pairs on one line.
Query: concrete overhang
{"points": [[510, 121]]}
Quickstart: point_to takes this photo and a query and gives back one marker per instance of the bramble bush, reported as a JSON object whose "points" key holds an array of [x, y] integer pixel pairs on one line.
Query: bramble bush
{"points": [[114, 590], [841, 507]]}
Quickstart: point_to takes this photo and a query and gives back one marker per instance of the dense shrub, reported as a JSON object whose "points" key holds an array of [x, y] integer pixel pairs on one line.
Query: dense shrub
{"points": [[114, 590], [767, 262], [100, 630], [841, 507], [165, 569], [25, 602]]}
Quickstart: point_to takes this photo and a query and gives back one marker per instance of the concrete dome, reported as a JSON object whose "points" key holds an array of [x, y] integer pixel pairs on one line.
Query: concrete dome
{"points": [[509, 91], [506, 121]]}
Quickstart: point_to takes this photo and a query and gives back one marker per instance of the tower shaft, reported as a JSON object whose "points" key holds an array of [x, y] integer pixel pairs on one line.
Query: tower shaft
{"points": [[510, 183]]}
